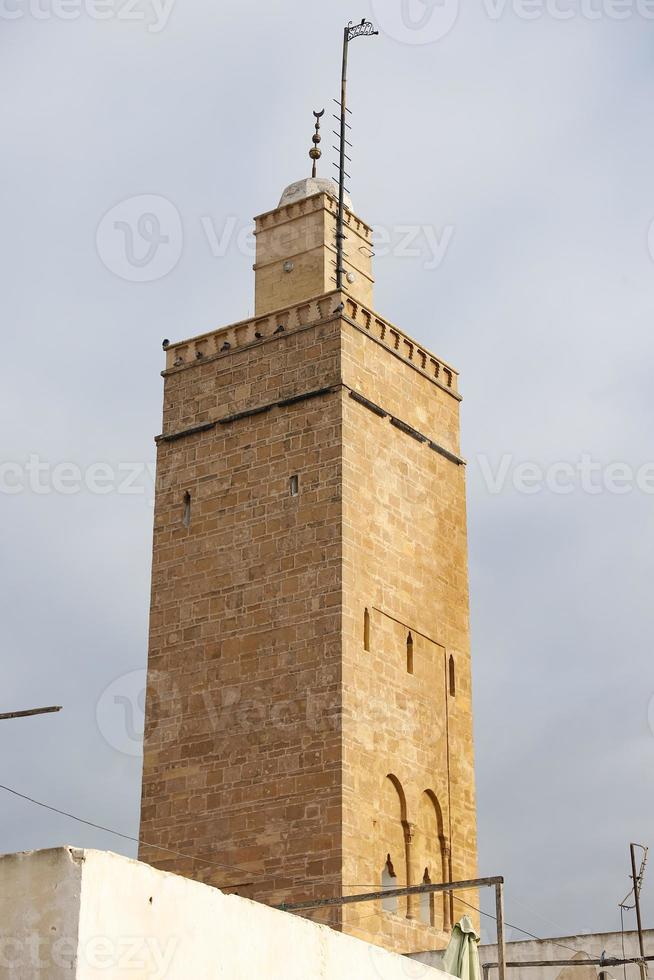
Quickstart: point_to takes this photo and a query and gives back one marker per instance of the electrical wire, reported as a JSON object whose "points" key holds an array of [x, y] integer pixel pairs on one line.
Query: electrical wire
{"points": [[523, 931], [248, 871], [516, 900], [488, 915], [135, 840]]}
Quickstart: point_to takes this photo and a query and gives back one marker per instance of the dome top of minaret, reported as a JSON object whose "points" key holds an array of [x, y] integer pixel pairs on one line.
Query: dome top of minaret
{"points": [[309, 186]]}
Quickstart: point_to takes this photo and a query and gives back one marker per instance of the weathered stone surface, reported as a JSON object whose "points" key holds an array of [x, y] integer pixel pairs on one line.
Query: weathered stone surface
{"points": [[309, 700], [296, 253]]}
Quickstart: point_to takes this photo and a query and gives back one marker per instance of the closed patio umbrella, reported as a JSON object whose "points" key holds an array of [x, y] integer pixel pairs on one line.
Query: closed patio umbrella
{"points": [[461, 958]]}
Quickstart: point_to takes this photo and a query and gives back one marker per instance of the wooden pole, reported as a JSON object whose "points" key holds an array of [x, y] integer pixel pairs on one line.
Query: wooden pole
{"points": [[27, 714], [636, 881], [449, 886], [519, 964], [501, 944]]}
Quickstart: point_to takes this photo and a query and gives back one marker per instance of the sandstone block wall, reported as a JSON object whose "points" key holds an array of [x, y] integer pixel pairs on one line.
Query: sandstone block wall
{"points": [[303, 235], [243, 750], [407, 719], [309, 718]]}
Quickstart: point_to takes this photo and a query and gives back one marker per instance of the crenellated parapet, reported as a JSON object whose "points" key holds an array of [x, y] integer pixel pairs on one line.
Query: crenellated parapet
{"points": [[256, 330], [274, 326], [308, 205], [402, 345]]}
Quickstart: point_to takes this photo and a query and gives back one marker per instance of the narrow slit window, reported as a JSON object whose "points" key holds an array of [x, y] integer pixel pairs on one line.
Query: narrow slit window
{"points": [[452, 677], [366, 630], [389, 880], [409, 654], [294, 484], [186, 513]]}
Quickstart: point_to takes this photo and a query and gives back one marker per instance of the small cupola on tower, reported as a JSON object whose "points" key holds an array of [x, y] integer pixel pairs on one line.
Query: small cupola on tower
{"points": [[296, 244]]}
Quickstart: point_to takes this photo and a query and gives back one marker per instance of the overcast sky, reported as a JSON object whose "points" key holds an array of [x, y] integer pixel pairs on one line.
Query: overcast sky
{"points": [[505, 153]]}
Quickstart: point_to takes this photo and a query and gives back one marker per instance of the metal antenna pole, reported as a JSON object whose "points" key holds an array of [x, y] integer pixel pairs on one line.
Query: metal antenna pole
{"points": [[340, 229], [364, 29], [27, 714], [638, 880]]}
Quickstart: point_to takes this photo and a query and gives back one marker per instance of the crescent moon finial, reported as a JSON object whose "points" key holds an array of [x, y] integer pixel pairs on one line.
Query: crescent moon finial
{"points": [[315, 152]]}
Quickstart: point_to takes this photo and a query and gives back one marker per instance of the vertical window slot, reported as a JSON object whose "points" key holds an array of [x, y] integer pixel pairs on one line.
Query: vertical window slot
{"points": [[409, 654]]}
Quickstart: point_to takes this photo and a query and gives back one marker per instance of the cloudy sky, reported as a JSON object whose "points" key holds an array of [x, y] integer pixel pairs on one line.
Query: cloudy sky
{"points": [[504, 151]]}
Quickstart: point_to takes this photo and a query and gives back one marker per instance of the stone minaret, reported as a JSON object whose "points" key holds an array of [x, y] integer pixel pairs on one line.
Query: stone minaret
{"points": [[309, 720]]}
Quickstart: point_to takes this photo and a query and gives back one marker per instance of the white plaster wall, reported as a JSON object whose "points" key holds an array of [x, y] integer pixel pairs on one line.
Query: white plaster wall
{"points": [[553, 949], [39, 913], [580, 947], [134, 922]]}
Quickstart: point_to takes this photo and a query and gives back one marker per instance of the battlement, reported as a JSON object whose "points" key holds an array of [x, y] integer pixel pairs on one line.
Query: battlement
{"points": [[317, 202], [259, 330]]}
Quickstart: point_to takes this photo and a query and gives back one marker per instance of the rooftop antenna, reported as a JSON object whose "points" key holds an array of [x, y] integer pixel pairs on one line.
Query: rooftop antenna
{"points": [[364, 29], [315, 152]]}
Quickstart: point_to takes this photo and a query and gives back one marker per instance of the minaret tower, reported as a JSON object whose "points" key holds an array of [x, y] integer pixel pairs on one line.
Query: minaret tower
{"points": [[309, 719]]}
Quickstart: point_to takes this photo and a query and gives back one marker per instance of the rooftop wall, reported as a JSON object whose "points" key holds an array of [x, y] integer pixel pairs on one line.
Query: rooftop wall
{"points": [[93, 915], [582, 947]]}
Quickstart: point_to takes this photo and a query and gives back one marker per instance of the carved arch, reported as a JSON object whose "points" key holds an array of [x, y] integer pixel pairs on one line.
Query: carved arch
{"points": [[400, 792], [396, 835], [434, 854]]}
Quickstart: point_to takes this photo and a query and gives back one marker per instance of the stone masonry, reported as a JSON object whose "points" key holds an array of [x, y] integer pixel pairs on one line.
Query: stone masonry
{"points": [[309, 718]]}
